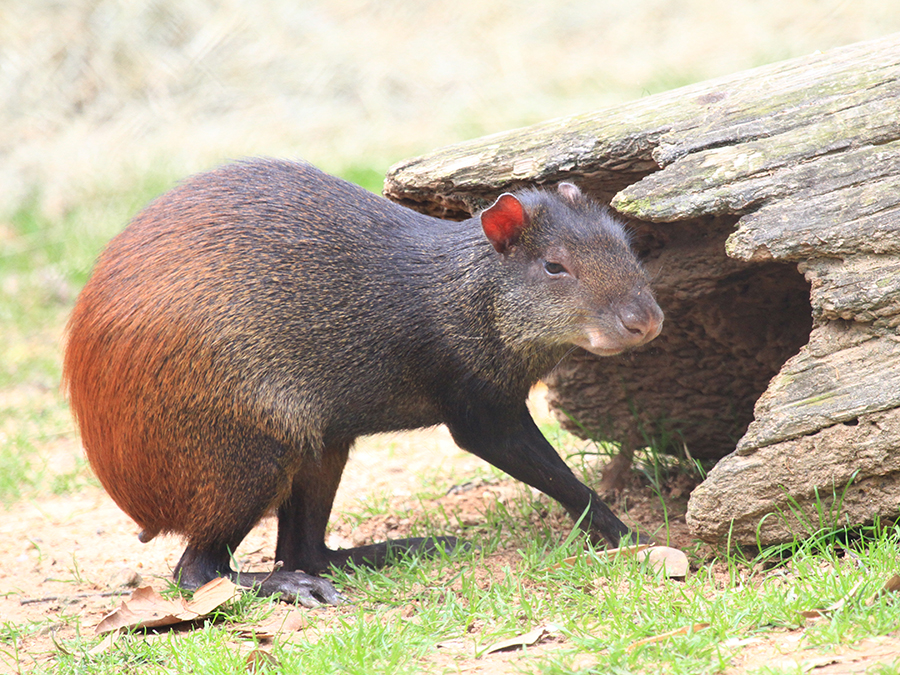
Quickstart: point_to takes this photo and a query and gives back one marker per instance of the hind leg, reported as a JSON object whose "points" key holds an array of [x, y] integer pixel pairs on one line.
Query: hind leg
{"points": [[303, 518], [224, 509], [201, 565]]}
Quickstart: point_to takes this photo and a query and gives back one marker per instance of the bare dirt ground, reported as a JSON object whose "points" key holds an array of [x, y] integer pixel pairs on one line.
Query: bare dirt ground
{"points": [[76, 555]]}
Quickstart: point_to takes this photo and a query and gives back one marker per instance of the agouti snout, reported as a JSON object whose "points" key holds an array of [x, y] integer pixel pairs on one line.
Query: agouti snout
{"points": [[246, 327]]}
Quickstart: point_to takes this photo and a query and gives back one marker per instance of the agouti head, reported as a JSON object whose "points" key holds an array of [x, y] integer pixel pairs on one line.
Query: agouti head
{"points": [[576, 279]]}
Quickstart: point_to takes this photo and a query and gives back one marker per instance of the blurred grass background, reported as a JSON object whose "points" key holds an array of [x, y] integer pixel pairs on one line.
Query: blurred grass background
{"points": [[99, 93], [105, 103]]}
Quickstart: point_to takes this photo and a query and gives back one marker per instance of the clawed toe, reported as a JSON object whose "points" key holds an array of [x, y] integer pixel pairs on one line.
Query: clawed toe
{"points": [[308, 590]]}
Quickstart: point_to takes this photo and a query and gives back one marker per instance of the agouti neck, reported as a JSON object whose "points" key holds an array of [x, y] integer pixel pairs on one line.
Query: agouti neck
{"points": [[468, 279]]}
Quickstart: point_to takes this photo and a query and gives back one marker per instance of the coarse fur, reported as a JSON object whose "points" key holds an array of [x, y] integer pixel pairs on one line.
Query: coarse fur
{"points": [[247, 326]]}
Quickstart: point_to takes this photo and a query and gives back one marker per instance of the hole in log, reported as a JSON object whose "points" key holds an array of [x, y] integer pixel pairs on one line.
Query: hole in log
{"points": [[729, 328]]}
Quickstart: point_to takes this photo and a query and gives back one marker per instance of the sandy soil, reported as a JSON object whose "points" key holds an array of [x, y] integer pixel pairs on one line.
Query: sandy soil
{"points": [[74, 555]]}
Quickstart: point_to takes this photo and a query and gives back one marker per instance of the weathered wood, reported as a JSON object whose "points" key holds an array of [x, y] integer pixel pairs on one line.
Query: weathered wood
{"points": [[847, 207], [849, 474], [845, 371], [610, 147], [863, 288], [795, 160], [729, 186]]}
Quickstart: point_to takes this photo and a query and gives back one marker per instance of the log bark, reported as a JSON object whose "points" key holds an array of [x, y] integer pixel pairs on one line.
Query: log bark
{"points": [[767, 207]]}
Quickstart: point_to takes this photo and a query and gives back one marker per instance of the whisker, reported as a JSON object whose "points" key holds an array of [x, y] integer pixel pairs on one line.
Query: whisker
{"points": [[563, 358]]}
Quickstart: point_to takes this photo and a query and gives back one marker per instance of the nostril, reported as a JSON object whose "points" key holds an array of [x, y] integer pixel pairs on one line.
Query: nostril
{"points": [[633, 322], [641, 323]]}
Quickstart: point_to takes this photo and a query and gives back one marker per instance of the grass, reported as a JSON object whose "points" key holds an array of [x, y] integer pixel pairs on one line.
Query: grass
{"points": [[399, 618], [44, 261], [420, 615]]}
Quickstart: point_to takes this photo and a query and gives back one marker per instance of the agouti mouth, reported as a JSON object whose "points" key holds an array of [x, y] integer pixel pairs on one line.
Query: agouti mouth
{"points": [[633, 329]]}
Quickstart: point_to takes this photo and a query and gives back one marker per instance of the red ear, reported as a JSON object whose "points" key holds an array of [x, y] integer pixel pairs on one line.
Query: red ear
{"points": [[504, 221]]}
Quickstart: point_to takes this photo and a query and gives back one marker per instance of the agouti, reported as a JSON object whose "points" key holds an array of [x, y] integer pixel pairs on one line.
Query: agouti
{"points": [[247, 326]]}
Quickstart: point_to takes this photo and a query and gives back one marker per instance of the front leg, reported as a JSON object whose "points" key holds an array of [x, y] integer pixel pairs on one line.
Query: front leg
{"points": [[517, 447]]}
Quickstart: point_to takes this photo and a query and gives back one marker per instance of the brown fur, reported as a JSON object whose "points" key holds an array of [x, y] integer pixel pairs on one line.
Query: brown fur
{"points": [[247, 326]]}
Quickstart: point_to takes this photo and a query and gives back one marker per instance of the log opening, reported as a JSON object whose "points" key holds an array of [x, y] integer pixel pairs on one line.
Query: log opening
{"points": [[785, 352], [730, 326]]}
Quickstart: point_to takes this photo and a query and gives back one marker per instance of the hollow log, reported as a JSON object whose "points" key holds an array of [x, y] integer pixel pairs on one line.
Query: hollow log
{"points": [[766, 206]]}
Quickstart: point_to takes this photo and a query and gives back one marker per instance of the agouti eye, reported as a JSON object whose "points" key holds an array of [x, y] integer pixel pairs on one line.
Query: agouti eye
{"points": [[553, 268]]}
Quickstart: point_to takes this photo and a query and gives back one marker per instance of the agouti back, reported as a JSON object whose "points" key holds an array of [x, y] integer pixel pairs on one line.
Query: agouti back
{"points": [[247, 326]]}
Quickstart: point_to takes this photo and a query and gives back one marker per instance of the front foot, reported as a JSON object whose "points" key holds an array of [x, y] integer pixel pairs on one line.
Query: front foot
{"points": [[309, 591]]}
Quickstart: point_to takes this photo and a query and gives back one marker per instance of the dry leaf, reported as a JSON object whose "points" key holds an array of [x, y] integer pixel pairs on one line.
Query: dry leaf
{"points": [[529, 638], [292, 622], [259, 661], [665, 636], [892, 585], [843, 601], [671, 561], [105, 644], [145, 608], [211, 595], [816, 613], [624, 550], [148, 609]]}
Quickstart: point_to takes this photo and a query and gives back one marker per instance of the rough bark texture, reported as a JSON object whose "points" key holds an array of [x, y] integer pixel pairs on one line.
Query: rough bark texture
{"points": [[767, 207]]}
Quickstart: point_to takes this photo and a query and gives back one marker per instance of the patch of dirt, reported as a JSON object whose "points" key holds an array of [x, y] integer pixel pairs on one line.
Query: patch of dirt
{"points": [[74, 555], [789, 652]]}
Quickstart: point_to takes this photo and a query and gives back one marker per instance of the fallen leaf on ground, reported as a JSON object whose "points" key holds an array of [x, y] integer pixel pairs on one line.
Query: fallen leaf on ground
{"points": [[849, 595], [892, 585], [835, 606], [672, 561], [812, 613], [259, 661], [105, 644], [148, 609], [606, 553], [291, 622], [524, 640], [665, 636], [211, 595]]}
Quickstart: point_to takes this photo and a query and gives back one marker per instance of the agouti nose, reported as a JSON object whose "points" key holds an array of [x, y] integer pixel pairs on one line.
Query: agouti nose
{"points": [[643, 323]]}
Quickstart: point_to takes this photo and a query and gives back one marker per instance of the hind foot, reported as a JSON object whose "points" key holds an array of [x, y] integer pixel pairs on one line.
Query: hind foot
{"points": [[308, 590]]}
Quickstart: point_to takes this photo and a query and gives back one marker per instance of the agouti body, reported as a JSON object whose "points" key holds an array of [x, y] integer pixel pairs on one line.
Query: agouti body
{"points": [[247, 326]]}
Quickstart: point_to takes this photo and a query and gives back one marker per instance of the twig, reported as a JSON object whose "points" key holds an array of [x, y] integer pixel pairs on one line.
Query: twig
{"points": [[277, 566], [79, 596]]}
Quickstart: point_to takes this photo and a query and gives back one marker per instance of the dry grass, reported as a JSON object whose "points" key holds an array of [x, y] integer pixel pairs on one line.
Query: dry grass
{"points": [[96, 92]]}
